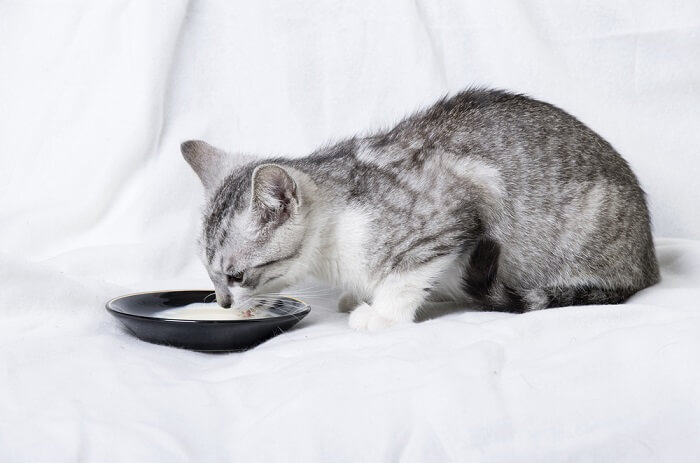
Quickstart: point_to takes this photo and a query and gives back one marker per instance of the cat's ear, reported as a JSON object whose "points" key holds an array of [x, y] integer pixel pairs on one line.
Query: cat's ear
{"points": [[210, 164], [275, 195]]}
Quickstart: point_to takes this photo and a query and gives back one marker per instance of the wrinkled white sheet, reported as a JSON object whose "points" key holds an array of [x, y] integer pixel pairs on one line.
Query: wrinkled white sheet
{"points": [[95, 202]]}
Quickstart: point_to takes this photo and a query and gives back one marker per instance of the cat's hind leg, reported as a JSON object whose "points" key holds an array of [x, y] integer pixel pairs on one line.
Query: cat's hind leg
{"points": [[483, 282], [397, 298]]}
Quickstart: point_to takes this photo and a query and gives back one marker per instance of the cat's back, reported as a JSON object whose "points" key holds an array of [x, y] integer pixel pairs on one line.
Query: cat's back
{"points": [[513, 133], [530, 147], [492, 121], [472, 110]]}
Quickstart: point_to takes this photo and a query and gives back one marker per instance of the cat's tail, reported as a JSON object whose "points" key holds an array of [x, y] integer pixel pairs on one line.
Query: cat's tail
{"points": [[585, 295], [500, 297], [481, 281]]}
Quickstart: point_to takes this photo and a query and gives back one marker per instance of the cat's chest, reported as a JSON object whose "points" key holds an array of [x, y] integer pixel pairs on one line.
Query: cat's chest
{"points": [[344, 252]]}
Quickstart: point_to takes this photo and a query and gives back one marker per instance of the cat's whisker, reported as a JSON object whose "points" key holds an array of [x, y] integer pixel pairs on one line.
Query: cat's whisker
{"points": [[295, 290], [307, 291], [302, 294]]}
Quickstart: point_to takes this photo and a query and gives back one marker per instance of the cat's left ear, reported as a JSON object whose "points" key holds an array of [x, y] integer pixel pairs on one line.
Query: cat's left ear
{"points": [[275, 195], [211, 164]]}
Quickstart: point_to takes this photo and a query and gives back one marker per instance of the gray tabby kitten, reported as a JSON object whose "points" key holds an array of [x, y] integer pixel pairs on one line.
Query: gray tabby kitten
{"points": [[487, 197]]}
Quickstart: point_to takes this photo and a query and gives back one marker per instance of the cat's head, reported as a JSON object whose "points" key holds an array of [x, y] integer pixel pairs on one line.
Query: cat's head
{"points": [[253, 227]]}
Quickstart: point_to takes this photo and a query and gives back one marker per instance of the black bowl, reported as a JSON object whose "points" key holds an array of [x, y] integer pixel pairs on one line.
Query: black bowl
{"points": [[139, 313]]}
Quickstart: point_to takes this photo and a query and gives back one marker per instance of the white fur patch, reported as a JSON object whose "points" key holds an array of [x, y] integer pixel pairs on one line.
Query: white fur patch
{"points": [[398, 297], [365, 318], [450, 286], [342, 253], [481, 174]]}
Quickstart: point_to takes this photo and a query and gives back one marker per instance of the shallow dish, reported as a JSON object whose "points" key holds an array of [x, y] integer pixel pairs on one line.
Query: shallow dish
{"points": [[142, 314]]}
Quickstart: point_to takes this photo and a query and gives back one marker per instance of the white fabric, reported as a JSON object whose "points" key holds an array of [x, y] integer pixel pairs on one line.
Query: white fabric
{"points": [[96, 201]]}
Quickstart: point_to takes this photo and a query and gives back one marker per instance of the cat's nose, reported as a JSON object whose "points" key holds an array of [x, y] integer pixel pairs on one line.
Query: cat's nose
{"points": [[224, 299]]}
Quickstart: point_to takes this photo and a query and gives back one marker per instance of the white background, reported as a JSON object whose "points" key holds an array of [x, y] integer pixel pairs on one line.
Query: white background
{"points": [[95, 201]]}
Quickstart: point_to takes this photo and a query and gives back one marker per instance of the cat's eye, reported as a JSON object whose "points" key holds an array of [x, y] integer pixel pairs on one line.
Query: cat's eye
{"points": [[235, 278]]}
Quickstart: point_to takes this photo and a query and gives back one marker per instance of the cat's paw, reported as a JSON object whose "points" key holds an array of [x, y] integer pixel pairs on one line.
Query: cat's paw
{"points": [[364, 318], [347, 302]]}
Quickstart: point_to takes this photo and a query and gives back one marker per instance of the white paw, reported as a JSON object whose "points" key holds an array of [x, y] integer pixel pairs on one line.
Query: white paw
{"points": [[347, 302], [364, 318]]}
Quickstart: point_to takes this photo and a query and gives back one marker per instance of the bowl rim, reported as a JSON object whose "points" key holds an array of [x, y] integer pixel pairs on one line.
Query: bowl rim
{"points": [[108, 305]]}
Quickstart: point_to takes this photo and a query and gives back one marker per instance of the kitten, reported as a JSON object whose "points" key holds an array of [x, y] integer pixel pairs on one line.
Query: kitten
{"points": [[487, 197]]}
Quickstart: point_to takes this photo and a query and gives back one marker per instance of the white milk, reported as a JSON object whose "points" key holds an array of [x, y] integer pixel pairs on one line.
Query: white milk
{"points": [[211, 311]]}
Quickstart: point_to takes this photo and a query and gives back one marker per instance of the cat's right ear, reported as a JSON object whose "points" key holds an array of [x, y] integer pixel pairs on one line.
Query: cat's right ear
{"points": [[210, 164]]}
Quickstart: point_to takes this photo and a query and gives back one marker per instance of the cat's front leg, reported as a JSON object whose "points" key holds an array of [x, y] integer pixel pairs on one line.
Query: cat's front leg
{"points": [[398, 297]]}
